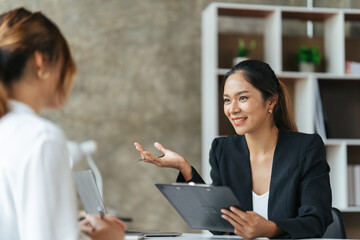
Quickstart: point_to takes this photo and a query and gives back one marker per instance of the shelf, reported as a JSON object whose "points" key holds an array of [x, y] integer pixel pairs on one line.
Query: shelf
{"points": [[352, 38], [300, 75], [222, 71], [255, 13], [241, 10], [283, 74], [352, 15], [349, 142], [279, 32], [306, 15], [341, 106], [350, 209]]}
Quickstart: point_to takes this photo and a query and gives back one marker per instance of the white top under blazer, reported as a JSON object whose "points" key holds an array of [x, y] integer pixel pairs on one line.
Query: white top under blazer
{"points": [[260, 204]]}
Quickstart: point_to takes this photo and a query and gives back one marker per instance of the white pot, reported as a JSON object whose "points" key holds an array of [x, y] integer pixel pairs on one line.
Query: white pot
{"points": [[237, 60], [306, 67]]}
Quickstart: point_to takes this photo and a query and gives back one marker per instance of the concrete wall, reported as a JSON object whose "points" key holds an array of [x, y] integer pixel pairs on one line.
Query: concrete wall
{"points": [[138, 80]]}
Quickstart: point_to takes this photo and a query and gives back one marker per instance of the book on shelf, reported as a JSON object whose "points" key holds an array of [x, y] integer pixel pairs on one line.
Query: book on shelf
{"points": [[351, 188], [319, 113], [354, 185], [352, 68]]}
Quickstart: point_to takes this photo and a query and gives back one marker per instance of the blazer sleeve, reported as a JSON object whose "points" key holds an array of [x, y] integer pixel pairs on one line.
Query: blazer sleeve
{"points": [[215, 153], [214, 163], [196, 178], [314, 213]]}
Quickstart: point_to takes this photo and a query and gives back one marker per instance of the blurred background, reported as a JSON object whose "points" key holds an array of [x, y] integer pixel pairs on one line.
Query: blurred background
{"points": [[139, 79]]}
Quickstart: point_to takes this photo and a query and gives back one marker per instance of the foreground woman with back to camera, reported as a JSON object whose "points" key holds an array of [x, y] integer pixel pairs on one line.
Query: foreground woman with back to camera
{"points": [[37, 195], [279, 175]]}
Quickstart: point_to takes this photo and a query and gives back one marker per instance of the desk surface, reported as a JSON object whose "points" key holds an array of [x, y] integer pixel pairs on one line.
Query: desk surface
{"points": [[193, 236]]}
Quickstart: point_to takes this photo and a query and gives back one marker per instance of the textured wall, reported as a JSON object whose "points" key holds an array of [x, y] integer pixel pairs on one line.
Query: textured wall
{"points": [[138, 80]]}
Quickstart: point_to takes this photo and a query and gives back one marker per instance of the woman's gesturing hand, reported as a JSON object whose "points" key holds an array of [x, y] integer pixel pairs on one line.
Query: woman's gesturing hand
{"points": [[170, 159], [250, 224]]}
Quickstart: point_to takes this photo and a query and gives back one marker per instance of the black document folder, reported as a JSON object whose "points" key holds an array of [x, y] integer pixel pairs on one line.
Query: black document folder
{"points": [[200, 204]]}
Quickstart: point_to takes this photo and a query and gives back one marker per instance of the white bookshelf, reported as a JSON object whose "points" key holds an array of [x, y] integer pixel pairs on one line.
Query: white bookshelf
{"points": [[336, 48]]}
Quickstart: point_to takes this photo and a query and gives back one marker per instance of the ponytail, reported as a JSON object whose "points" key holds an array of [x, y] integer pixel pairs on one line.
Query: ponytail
{"points": [[4, 107], [283, 114]]}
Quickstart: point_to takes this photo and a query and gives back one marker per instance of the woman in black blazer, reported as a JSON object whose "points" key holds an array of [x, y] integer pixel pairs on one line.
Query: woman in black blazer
{"points": [[280, 176]]}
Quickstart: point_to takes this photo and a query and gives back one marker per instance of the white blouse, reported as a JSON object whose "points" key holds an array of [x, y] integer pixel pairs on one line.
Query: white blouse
{"points": [[37, 194], [260, 204]]}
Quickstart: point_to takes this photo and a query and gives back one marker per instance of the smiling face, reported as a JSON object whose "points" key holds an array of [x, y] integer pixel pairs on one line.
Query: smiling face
{"points": [[245, 106]]}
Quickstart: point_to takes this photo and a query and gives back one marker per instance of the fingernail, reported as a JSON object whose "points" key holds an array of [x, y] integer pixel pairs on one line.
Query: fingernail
{"points": [[232, 209], [223, 210]]}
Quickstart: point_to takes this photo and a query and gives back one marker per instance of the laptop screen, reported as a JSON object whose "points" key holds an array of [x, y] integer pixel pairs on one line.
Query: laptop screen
{"points": [[88, 192]]}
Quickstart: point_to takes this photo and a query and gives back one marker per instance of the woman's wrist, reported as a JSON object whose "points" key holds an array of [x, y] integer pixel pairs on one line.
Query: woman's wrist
{"points": [[275, 230], [186, 170]]}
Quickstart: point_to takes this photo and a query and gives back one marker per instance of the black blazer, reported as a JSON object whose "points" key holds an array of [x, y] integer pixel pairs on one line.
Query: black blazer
{"points": [[300, 193]]}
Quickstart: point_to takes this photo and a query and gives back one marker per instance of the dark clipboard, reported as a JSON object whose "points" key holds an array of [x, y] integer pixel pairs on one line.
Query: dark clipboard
{"points": [[200, 204]]}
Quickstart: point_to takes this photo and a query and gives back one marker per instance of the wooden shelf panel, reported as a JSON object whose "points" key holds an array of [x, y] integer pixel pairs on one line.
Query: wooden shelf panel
{"points": [[291, 45], [315, 16], [352, 16], [228, 44], [243, 12], [341, 105], [352, 49], [353, 153]]}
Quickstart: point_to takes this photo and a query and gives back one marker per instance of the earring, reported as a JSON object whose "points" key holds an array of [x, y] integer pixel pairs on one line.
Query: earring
{"points": [[43, 75], [270, 111]]}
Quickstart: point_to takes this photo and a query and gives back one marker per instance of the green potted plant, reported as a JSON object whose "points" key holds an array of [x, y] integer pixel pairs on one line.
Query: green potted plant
{"points": [[243, 51], [308, 58]]}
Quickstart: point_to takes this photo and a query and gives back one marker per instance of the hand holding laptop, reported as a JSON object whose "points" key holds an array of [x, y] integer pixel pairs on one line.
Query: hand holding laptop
{"points": [[94, 207], [106, 227]]}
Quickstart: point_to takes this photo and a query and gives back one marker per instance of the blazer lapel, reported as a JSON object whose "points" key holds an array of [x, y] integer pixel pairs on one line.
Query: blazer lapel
{"points": [[241, 171]]}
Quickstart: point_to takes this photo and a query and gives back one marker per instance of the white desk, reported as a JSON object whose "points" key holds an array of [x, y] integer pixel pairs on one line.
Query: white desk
{"points": [[194, 236]]}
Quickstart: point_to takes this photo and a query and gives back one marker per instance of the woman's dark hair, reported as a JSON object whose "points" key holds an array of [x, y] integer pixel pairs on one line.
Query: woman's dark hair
{"points": [[262, 77], [21, 34]]}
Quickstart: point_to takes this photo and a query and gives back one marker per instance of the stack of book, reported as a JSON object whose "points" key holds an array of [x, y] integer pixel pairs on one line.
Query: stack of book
{"points": [[352, 68], [354, 184], [320, 127]]}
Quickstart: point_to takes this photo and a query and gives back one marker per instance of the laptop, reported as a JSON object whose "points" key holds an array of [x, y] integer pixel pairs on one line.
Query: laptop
{"points": [[93, 202]]}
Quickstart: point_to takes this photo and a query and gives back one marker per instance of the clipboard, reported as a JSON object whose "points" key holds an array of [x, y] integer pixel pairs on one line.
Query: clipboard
{"points": [[200, 204]]}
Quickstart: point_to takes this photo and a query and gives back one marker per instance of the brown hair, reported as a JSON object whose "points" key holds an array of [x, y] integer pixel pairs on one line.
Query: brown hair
{"points": [[21, 34], [263, 78]]}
